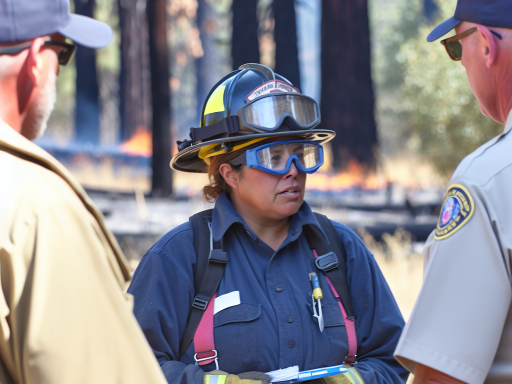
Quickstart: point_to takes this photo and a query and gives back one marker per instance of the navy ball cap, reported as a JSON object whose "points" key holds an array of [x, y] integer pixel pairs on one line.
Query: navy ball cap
{"points": [[491, 13], [22, 20]]}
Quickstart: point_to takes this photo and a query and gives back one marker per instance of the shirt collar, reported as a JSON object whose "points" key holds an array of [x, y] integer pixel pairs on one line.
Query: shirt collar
{"points": [[508, 123], [225, 215]]}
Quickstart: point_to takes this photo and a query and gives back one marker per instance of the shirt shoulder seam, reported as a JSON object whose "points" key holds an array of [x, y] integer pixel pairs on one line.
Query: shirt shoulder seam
{"points": [[163, 255], [349, 231], [159, 249], [496, 140]]}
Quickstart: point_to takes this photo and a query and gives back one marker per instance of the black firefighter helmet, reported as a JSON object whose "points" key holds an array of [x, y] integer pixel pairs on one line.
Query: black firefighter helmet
{"points": [[248, 105]]}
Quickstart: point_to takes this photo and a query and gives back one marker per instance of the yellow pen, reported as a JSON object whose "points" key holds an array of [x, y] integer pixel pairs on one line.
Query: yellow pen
{"points": [[317, 295]]}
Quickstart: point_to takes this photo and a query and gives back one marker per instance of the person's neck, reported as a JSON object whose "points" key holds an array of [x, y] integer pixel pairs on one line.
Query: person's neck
{"points": [[9, 110], [271, 231], [504, 93]]}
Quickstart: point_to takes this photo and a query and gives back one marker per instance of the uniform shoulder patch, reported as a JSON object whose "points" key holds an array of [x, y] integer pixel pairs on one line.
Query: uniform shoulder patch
{"points": [[458, 208]]}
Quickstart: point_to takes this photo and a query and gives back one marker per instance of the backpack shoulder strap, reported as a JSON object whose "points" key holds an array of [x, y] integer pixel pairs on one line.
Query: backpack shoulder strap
{"points": [[210, 266], [201, 231], [336, 272], [333, 263]]}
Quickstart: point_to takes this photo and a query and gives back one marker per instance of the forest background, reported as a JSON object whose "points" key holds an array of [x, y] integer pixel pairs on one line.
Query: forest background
{"points": [[418, 102], [424, 108]]}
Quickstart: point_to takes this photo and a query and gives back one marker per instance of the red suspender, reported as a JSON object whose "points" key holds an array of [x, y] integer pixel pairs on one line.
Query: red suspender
{"points": [[204, 341], [350, 325]]}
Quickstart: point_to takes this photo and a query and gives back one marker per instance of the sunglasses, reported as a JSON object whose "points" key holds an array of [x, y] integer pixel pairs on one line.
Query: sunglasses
{"points": [[64, 54], [454, 47]]}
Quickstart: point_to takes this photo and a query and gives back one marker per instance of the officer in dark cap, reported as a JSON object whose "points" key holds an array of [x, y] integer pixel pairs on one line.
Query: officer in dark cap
{"points": [[460, 330]]}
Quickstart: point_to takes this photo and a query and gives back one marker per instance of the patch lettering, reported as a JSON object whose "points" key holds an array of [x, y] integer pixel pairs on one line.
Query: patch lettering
{"points": [[272, 86], [458, 208]]}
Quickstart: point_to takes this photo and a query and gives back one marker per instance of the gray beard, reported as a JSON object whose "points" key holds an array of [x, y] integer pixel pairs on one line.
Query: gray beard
{"points": [[36, 120]]}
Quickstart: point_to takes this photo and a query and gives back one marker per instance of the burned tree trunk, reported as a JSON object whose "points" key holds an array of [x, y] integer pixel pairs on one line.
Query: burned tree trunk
{"points": [[347, 101], [285, 36], [160, 94], [207, 66], [244, 41], [87, 111], [134, 76]]}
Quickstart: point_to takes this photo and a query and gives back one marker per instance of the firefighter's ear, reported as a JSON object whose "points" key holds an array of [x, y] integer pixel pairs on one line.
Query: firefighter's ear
{"points": [[230, 176]]}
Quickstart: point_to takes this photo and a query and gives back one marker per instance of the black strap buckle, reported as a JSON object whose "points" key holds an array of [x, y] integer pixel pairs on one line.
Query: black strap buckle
{"points": [[226, 127], [327, 262], [218, 256], [200, 302]]}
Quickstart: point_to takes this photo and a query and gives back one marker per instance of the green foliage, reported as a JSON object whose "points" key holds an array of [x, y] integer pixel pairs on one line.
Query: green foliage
{"points": [[442, 111], [425, 104]]}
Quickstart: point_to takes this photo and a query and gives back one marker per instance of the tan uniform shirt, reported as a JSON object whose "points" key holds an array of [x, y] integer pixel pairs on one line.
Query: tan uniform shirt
{"points": [[64, 316], [462, 324]]}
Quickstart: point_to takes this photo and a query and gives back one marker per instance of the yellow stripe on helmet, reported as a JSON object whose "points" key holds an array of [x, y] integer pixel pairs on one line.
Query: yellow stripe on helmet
{"points": [[216, 101], [205, 152]]}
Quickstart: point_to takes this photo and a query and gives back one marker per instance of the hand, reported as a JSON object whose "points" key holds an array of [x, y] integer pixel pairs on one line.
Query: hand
{"points": [[349, 377], [221, 377]]}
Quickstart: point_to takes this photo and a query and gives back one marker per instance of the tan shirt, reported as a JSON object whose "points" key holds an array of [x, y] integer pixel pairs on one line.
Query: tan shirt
{"points": [[462, 322], [64, 316]]}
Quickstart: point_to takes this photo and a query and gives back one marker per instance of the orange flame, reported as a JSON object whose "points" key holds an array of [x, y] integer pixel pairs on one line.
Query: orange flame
{"points": [[140, 144], [355, 175]]}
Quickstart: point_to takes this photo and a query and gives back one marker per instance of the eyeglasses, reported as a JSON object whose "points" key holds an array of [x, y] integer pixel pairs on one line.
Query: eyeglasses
{"points": [[454, 47], [64, 54]]}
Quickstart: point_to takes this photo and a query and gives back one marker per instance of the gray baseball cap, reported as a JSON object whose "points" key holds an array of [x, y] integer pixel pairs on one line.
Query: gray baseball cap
{"points": [[22, 20], [491, 13]]}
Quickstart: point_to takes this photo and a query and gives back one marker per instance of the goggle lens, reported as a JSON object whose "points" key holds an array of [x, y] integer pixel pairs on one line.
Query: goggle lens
{"points": [[276, 157], [267, 112]]}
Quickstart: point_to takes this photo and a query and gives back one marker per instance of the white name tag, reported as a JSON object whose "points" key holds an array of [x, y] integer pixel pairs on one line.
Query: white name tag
{"points": [[225, 301]]}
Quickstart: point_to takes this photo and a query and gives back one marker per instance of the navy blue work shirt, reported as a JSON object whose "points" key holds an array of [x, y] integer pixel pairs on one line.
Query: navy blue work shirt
{"points": [[273, 327]]}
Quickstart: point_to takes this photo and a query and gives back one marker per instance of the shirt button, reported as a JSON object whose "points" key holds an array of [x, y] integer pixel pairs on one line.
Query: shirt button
{"points": [[279, 288], [291, 344], [289, 319]]}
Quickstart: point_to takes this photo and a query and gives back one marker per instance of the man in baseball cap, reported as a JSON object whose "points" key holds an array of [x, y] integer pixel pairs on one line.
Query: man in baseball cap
{"points": [[460, 330], [64, 314]]}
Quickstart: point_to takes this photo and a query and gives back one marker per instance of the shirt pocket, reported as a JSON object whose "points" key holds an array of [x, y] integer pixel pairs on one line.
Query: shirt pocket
{"points": [[237, 337], [331, 345]]}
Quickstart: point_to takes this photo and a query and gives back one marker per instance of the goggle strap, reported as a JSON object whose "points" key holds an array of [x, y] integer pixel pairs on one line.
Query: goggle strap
{"points": [[228, 125], [240, 159]]}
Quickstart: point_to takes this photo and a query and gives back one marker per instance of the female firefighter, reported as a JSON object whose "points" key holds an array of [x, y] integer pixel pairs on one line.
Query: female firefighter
{"points": [[260, 282]]}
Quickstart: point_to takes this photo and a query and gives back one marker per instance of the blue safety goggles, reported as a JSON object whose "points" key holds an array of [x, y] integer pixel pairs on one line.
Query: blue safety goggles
{"points": [[276, 158]]}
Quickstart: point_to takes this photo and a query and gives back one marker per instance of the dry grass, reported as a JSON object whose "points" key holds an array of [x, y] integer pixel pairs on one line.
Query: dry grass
{"points": [[402, 268], [400, 265]]}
